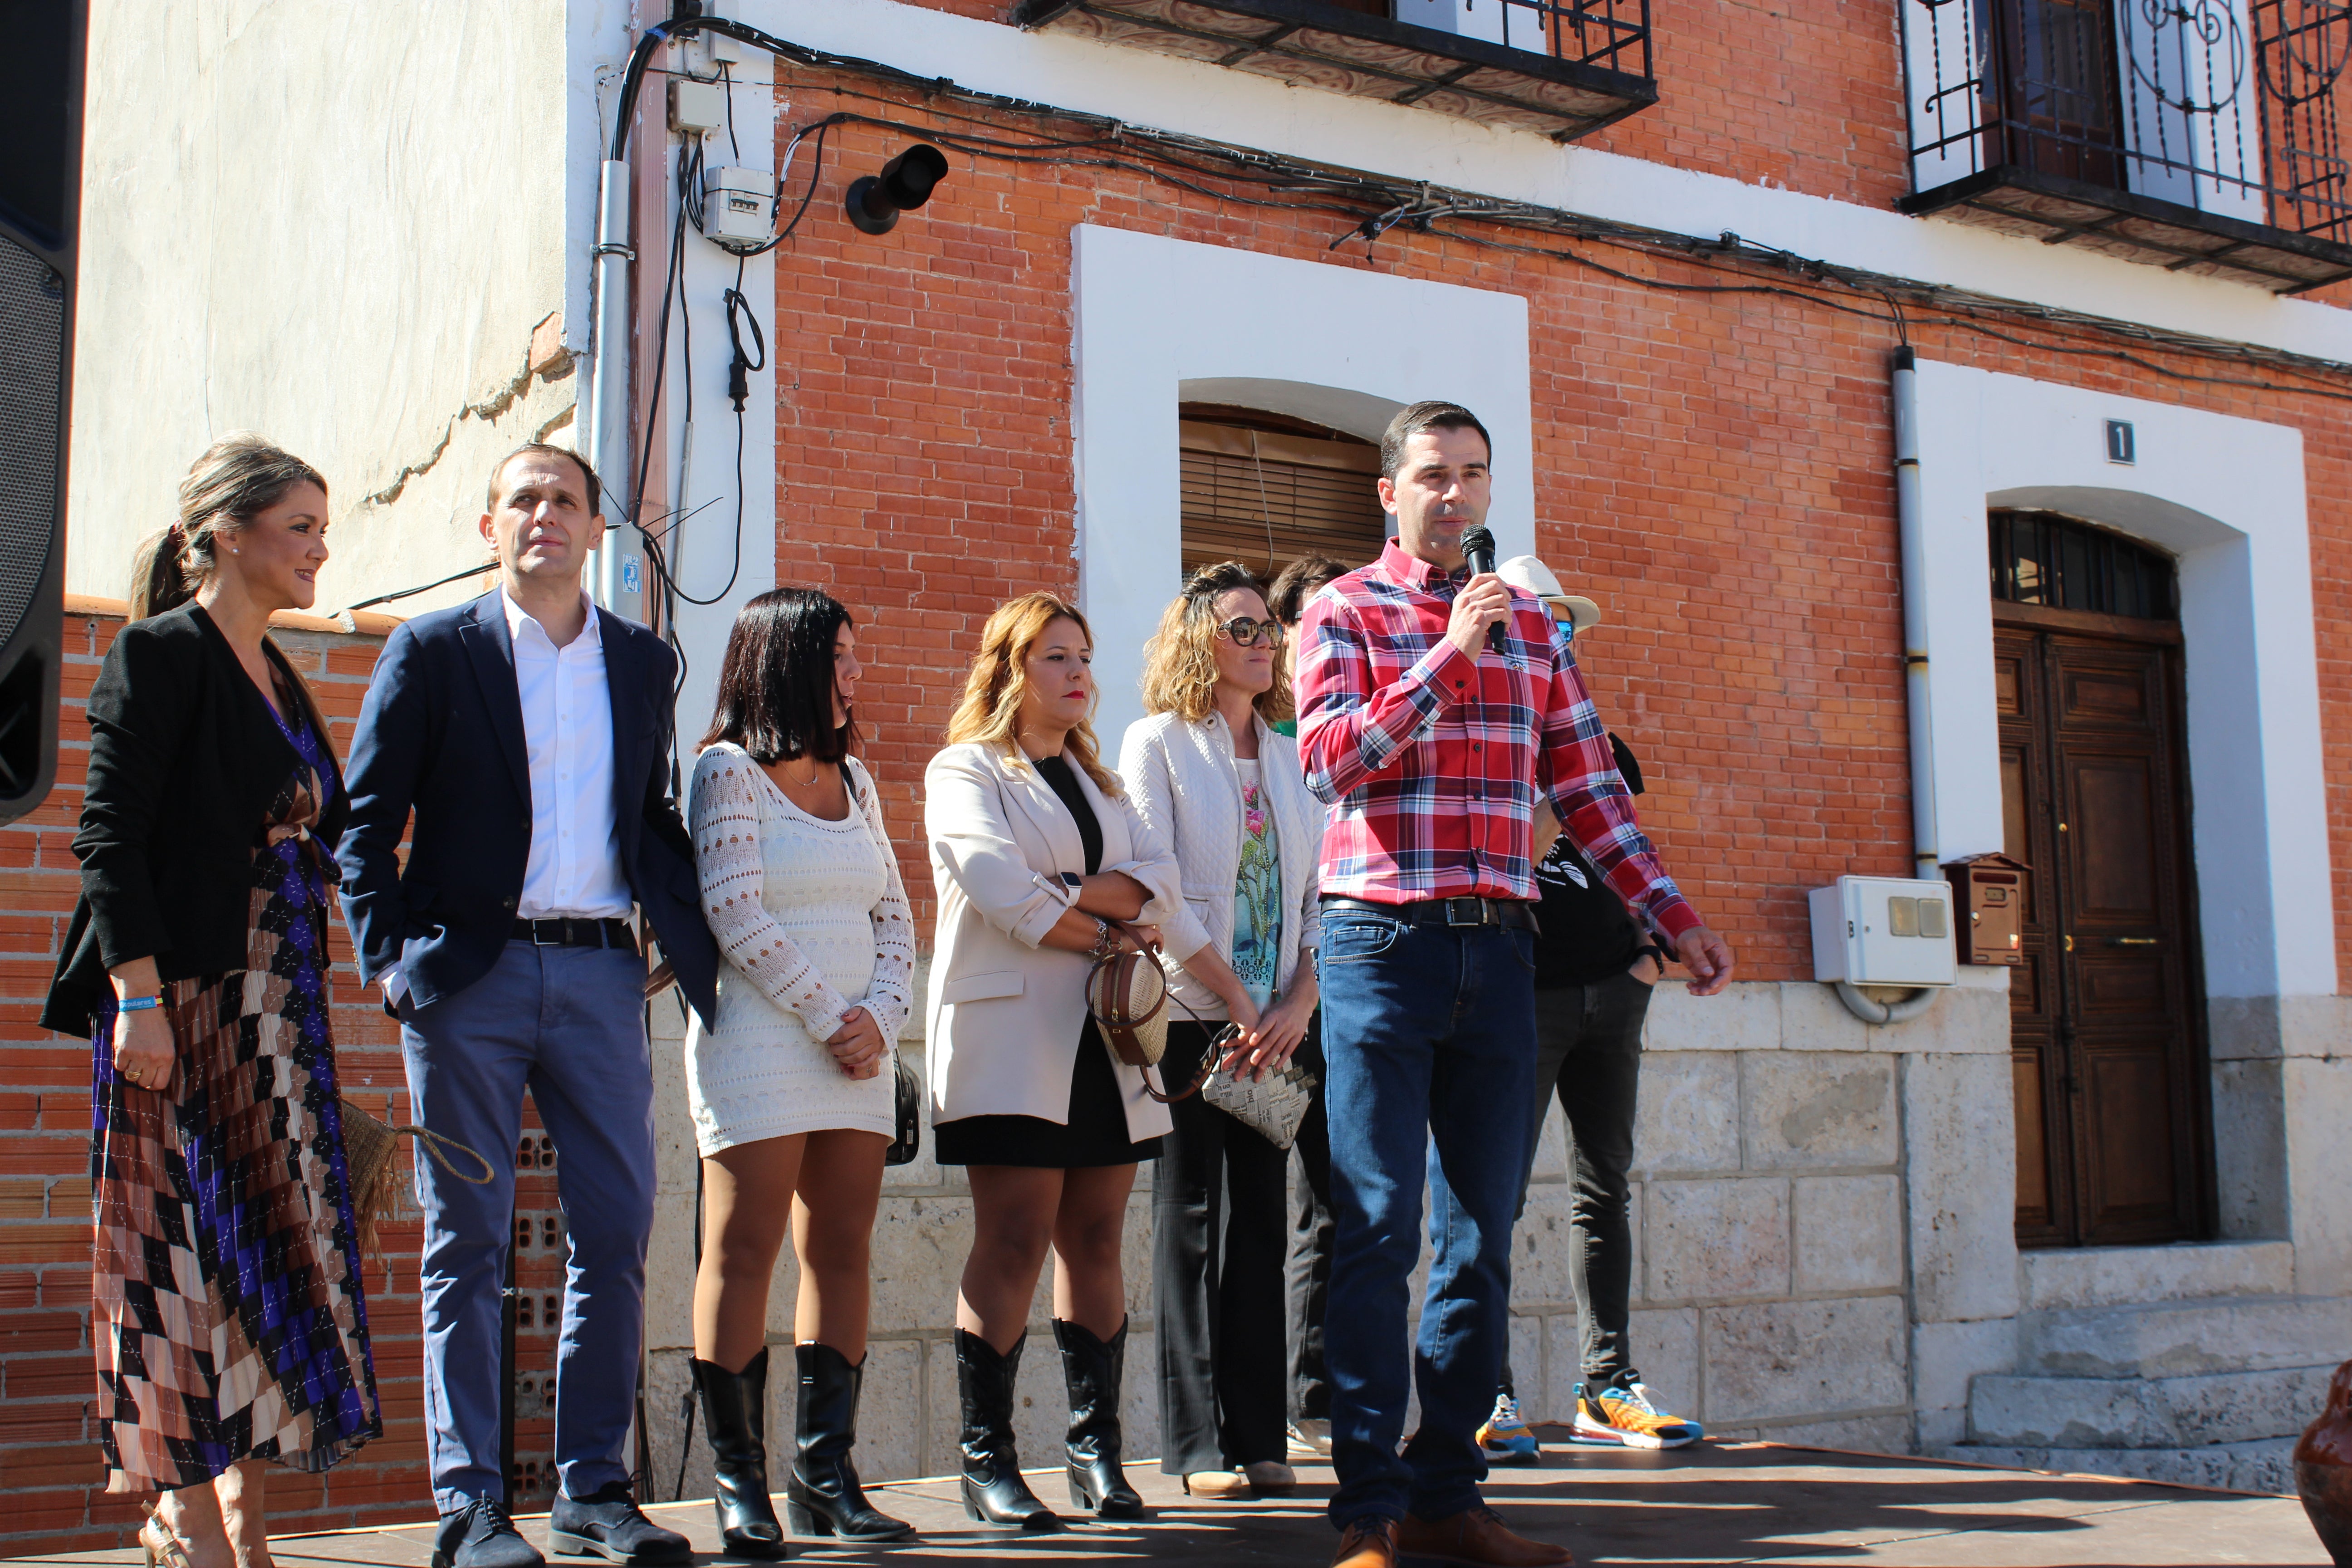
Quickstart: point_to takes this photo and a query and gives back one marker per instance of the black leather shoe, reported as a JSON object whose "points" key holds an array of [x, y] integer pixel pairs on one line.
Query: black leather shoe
{"points": [[480, 1535], [822, 1496], [993, 1492], [609, 1525], [1093, 1369], [734, 1418]]}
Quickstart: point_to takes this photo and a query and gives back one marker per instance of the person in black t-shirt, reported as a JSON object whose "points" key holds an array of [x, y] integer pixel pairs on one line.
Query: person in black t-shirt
{"points": [[1595, 967]]}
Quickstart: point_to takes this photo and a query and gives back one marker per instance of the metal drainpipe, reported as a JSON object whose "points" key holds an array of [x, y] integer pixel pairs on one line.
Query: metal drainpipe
{"points": [[1925, 860], [1908, 509], [620, 559]]}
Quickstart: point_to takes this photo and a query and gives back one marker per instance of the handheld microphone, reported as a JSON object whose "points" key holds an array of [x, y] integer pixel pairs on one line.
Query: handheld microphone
{"points": [[1478, 550]]}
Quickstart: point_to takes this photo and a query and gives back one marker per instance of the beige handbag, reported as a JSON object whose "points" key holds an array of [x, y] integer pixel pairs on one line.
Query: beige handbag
{"points": [[1126, 993]]}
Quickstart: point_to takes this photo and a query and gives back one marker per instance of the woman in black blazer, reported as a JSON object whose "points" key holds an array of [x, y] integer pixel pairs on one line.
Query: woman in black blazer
{"points": [[228, 1322]]}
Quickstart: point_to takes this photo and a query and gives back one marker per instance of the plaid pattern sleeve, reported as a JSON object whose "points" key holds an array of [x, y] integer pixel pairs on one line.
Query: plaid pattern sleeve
{"points": [[1595, 808], [1430, 760]]}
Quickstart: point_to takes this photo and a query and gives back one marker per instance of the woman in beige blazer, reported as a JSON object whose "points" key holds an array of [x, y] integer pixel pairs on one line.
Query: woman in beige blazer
{"points": [[1034, 851]]}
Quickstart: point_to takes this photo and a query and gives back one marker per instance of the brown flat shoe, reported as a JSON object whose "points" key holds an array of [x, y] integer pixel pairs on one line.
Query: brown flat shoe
{"points": [[1368, 1543], [1477, 1537]]}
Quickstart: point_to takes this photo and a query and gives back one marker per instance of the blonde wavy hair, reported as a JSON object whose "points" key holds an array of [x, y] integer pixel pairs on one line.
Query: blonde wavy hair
{"points": [[1180, 662], [989, 711]]}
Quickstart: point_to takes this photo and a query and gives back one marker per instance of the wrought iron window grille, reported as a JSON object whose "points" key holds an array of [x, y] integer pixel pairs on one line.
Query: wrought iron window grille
{"points": [[1565, 68], [2201, 135]]}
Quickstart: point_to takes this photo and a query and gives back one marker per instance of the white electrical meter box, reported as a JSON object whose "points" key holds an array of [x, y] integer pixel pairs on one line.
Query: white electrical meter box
{"points": [[1883, 931], [738, 206]]}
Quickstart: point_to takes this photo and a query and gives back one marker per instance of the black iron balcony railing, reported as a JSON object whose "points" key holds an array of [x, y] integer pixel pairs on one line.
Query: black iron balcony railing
{"points": [[1566, 67], [2199, 135]]}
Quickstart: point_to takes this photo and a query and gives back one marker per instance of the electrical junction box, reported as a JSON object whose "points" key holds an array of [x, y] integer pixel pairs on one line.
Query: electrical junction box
{"points": [[1883, 931], [696, 107], [738, 206]]}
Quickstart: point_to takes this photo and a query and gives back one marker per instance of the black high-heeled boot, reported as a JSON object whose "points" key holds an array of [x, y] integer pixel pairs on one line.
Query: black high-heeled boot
{"points": [[993, 1492], [1093, 1370], [822, 1496], [734, 1418]]}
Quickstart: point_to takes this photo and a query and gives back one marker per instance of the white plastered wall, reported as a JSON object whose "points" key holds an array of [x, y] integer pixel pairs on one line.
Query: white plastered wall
{"points": [[2226, 497], [1162, 320]]}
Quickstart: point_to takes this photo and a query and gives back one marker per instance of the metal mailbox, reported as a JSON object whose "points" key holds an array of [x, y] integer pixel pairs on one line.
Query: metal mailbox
{"points": [[1988, 892]]}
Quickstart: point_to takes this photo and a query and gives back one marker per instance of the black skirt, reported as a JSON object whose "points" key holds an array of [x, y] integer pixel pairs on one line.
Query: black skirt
{"points": [[1095, 1135]]}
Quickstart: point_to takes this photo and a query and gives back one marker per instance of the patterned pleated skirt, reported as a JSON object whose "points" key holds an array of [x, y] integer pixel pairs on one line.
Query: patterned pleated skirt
{"points": [[228, 1319]]}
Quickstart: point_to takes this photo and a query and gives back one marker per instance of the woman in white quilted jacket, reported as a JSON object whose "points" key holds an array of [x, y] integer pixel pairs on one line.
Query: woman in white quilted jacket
{"points": [[1211, 774], [793, 1089]]}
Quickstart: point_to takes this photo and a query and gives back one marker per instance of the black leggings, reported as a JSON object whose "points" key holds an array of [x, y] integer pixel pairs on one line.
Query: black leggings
{"points": [[1217, 1306]]}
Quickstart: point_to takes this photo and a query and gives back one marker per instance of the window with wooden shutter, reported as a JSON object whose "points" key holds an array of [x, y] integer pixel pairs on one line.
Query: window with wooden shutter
{"points": [[1264, 489]]}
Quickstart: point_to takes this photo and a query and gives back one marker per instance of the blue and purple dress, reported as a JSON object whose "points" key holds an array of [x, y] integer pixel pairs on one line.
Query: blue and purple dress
{"points": [[229, 1322]]}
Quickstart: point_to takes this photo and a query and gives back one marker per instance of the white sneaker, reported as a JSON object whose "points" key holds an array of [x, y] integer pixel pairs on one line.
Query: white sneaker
{"points": [[1310, 1438]]}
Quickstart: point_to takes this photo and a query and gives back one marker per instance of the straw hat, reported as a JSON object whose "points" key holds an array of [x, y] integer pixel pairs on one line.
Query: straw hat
{"points": [[1531, 574]]}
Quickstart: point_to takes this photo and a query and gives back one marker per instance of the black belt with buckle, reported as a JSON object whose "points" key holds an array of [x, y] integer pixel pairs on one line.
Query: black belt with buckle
{"points": [[1518, 912], [565, 931]]}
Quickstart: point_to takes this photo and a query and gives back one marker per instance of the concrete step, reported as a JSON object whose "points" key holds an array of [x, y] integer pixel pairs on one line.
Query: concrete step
{"points": [[2186, 1338], [2267, 1466], [2144, 1413], [2062, 1278]]}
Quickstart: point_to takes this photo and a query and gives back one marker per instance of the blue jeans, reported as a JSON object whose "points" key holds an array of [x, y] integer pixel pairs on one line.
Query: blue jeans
{"points": [[1429, 1042], [568, 1023]]}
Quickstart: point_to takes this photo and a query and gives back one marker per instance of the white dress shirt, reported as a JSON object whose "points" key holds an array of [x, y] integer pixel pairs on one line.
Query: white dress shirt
{"points": [[567, 728]]}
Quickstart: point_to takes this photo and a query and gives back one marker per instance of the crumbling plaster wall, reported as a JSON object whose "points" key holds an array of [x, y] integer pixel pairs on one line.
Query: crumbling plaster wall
{"points": [[340, 226]]}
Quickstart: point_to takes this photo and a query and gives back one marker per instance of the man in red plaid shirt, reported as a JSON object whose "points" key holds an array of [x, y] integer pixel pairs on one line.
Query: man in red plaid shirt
{"points": [[1429, 745]]}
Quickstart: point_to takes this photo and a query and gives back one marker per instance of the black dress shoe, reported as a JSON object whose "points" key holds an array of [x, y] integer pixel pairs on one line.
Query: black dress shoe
{"points": [[480, 1535], [608, 1524]]}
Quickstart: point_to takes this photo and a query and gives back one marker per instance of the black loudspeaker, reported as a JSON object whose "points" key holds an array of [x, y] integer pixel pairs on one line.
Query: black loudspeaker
{"points": [[40, 196]]}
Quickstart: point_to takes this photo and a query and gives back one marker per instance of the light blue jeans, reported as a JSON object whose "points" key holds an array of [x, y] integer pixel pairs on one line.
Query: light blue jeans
{"points": [[1429, 1042], [567, 1023]]}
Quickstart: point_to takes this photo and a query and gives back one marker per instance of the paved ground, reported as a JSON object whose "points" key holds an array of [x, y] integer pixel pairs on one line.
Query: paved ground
{"points": [[1729, 1503]]}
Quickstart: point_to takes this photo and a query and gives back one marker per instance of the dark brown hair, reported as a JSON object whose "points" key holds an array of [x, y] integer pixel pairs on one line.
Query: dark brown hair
{"points": [[236, 480], [546, 449], [1420, 417], [1296, 582], [776, 686]]}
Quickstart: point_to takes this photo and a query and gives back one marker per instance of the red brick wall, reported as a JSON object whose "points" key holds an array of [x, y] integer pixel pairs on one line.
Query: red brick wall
{"points": [[1807, 95], [1714, 467], [49, 1466]]}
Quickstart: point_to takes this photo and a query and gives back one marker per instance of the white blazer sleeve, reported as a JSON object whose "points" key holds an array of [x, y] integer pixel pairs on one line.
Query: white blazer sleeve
{"points": [[1147, 770], [964, 816], [1310, 815], [1153, 865]]}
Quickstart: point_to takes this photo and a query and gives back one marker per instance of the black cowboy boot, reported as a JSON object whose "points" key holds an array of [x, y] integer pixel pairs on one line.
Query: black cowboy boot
{"points": [[734, 1418], [993, 1492], [822, 1496], [1093, 1370]]}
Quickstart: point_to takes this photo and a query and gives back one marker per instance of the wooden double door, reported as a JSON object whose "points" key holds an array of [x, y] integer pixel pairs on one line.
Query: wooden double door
{"points": [[2105, 1011]]}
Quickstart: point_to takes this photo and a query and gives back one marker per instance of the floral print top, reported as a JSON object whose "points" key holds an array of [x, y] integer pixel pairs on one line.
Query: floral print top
{"points": [[1257, 891]]}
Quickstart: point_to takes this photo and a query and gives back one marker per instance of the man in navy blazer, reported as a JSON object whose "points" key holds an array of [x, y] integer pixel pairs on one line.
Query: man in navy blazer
{"points": [[529, 733]]}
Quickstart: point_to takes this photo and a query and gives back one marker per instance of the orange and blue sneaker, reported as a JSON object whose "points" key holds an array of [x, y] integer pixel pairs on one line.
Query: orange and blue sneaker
{"points": [[1628, 1418], [1506, 1439]]}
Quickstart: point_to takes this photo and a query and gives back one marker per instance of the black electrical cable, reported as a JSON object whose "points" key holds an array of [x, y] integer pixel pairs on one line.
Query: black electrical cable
{"points": [[1272, 173], [422, 587]]}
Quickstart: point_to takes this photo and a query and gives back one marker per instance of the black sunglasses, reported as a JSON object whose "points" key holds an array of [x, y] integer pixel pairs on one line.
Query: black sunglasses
{"points": [[1245, 632]]}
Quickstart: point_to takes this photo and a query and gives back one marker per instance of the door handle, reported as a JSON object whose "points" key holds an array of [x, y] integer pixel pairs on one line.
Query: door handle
{"points": [[2068, 939], [2133, 941]]}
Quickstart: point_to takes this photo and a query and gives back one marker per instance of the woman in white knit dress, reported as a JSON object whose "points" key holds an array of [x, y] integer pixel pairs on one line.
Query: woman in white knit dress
{"points": [[792, 1090]]}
